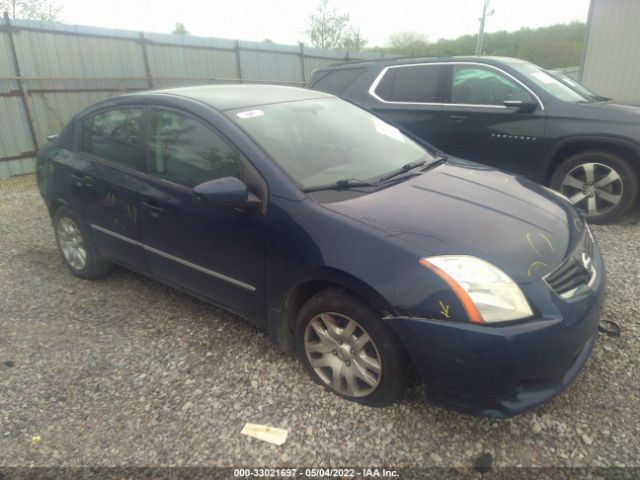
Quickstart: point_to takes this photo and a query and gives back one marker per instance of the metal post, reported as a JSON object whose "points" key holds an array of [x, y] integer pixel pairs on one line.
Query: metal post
{"points": [[21, 82], [481, 33], [236, 47], [304, 75], [585, 43], [145, 57]]}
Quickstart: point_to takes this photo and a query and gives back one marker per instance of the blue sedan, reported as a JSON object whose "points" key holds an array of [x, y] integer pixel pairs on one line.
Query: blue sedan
{"points": [[369, 253]]}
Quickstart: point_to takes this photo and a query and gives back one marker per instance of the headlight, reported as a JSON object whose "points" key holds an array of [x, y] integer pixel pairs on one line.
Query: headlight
{"points": [[487, 293]]}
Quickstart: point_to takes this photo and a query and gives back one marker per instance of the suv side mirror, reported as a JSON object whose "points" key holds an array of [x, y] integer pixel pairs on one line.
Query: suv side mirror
{"points": [[521, 105], [226, 191]]}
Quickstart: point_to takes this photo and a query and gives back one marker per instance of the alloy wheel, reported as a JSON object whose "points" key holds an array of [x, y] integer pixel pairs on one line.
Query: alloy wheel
{"points": [[71, 243], [343, 354], [593, 188]]}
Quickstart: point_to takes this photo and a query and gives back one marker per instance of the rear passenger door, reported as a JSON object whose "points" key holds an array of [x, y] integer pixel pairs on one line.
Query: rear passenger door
{"points": [[411, 96], [107, 181], [478, 126]]}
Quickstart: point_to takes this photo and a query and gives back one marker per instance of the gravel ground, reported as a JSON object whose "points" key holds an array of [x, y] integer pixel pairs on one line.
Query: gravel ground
{"points": [[124, 371]]}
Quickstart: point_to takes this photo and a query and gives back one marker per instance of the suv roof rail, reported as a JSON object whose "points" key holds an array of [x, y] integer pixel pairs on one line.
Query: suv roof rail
{"points": [[389, 59]]}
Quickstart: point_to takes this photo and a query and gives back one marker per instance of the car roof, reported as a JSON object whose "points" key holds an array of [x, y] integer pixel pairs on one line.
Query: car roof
{"points": [[230, 97], [418, 60]]}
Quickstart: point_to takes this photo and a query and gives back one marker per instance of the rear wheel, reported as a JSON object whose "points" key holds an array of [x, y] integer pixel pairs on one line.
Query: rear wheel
{"points": [[600, 184], [76, 246], [345, 346]]}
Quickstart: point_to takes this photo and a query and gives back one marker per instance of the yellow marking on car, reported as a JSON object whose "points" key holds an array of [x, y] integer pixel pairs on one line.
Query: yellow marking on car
{"points": [[132, 213], [444, 309], [110, 199], [534, 265], [545, 238]]}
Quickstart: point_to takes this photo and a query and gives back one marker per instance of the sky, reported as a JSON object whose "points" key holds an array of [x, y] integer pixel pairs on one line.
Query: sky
{"points": [[285, 21]]}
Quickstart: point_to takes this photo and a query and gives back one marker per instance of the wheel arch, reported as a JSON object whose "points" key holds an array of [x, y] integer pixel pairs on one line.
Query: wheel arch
{"points": [[282, 318], [55, 205], [571, 146]]}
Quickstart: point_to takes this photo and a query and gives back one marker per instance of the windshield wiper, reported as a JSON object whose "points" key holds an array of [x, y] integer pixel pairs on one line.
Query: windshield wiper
{"points": [[342, 184], [407, 167], [400, 173]]}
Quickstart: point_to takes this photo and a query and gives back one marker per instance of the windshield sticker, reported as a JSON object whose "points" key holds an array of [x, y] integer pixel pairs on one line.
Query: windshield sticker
{"points": [[388, 130], [250, 114], [544, 77]]}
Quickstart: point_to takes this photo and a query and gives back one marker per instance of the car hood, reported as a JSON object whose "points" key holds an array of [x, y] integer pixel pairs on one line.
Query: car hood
{"points": [[463, 208], [607, 111]]}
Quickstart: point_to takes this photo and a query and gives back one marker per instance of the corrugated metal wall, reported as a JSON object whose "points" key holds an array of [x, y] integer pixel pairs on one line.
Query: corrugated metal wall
{"points": [[49, 72], [611, 65]]}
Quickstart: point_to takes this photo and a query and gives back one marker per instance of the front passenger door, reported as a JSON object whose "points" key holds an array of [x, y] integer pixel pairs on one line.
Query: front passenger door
{"points": [[216, 252], [478, 126]]}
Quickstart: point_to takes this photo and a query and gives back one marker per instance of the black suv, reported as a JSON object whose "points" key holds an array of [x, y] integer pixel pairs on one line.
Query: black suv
{"points": [[508, 113]]}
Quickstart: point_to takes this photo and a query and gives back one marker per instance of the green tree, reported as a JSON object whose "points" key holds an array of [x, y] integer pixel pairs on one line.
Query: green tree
{"points": [[408, 43], [180, 29], [554, 46], [328, 28], [46, 10], [353, 40]]}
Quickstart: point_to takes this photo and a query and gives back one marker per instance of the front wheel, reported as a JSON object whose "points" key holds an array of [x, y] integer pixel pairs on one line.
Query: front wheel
{"points": [[601, 185], [345, 346]]}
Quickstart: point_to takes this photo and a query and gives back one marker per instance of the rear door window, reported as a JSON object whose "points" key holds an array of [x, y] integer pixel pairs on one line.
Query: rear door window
{"points": [[411, 83], [112, 135]]}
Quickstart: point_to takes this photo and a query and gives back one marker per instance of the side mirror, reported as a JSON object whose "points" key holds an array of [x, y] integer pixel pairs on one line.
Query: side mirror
{"points": [[521, 105], [226, 191]]}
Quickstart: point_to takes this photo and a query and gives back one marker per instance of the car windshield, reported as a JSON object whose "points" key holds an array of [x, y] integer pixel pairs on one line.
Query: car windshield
{"points": [[550, 84], [578, 87], [325, 141]]}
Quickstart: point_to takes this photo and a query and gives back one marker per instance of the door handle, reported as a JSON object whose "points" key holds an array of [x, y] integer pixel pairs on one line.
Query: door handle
{"points": [[458, 118], [81, 180], [154, 209]]}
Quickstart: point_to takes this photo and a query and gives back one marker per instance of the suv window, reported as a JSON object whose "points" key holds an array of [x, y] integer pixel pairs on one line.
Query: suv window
{"points": [[337, 81], [477, 85], [112, 135], [187, 152], [414, 83]]}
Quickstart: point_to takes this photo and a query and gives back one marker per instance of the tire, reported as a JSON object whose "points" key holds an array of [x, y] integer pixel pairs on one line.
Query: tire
{"points": [[352, 360], [600, 202], [72, 238]]}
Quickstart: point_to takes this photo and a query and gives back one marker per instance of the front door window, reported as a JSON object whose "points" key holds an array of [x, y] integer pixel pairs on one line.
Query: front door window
{"points": [[187, 152], [477, 85]]}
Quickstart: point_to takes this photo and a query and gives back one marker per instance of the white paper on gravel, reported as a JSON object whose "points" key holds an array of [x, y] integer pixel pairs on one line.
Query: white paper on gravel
{"points": [[277, 436]]}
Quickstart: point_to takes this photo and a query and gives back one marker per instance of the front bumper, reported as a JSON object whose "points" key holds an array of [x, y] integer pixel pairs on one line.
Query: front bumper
{"points": [[501, 371]]}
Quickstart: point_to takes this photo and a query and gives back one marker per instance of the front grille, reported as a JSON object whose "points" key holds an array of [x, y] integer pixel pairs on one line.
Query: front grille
{"points": [[568, 276], [572, 274]]}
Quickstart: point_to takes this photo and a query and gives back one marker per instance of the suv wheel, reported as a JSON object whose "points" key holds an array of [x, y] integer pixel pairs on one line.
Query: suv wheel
{"points": [[76, 246], [345, 346], [601, 185]]}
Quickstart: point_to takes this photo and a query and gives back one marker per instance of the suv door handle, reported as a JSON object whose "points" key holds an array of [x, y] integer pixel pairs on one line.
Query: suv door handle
{"points": [[154, 210], [81, 180], [458, 118]]}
